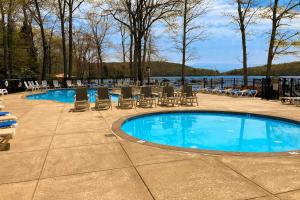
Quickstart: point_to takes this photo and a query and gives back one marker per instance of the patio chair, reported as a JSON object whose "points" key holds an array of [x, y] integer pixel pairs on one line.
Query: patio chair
{"points": [[81, 102], [29, 86], [56, 84], [188, 96], [7, 117], [3, 92], [126, 99], [79, 84], [168, 97], [36, 86], [289, 100], [69, 84], [146, 97], [8, 124], [103, 99], [45, 85], [6, 134]]}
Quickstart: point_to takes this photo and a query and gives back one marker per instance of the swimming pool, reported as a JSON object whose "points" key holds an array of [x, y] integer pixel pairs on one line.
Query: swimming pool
{"points": [[228, 132], [65, 95]]}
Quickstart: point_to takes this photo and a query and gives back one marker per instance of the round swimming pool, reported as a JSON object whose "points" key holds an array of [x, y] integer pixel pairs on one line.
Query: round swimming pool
{"points": [[65, 95], [227, 132]]}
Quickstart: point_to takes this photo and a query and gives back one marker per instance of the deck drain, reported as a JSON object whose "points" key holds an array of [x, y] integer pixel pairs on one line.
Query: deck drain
{"points": [[110, 135]]}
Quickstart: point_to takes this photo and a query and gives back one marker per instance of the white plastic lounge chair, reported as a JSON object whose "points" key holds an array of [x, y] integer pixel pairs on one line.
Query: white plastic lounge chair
{"points": [[3, 91], [45, 85], [36, 86], [28, 86], [56, 84], [69, 84], [289, 100], [79, 84]]}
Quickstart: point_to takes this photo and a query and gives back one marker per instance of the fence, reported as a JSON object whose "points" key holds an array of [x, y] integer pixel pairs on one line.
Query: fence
{"points": [[267, 88]]}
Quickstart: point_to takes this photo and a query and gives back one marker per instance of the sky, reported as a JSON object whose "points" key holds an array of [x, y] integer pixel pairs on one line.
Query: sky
{"points": [[221, 50]]}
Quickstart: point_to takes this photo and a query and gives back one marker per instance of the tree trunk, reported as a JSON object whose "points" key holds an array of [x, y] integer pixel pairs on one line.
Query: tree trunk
{"points": [[10, 39], [63, 35], [123, 43], [244, 44], [70, 38], [131, 55], [272, 39], [5, 47], [184, 43], [44, 41]]}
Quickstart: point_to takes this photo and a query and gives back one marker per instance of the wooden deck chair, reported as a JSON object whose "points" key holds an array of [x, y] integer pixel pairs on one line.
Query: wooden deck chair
{"points": [[188, 97], [146, 97], [103, 99], [126, 99], [81, 102]]}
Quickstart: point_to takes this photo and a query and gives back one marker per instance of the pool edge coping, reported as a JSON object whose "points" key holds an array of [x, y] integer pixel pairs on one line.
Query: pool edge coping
{"points": [[116, 129]]}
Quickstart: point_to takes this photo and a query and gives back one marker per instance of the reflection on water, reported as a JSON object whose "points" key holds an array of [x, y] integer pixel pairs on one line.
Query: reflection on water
{"points": [[65, 95], [212, 131]]}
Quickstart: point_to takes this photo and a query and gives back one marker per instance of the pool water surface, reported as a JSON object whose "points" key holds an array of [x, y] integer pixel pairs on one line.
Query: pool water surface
{"points": [[216, 131], [66, 95]]}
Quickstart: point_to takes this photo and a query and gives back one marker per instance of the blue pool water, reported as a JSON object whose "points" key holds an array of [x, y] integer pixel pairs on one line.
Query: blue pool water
{"points": [[66, 95], [216, 131]]}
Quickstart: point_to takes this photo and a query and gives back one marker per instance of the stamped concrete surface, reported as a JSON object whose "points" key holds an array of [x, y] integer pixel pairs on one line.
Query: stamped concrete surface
{"points": [[58, 154]]}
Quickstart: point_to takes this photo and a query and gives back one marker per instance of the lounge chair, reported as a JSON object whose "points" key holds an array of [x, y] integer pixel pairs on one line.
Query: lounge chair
{"points": [[70, 84], [81, 102], [29, 86], [103, 99], [289, 100], [6, 134], [6, 116], [56, 84], [45, 85], [126, 99], [3, 91], [7, 129], [296, 101], [168, 97], [79, 84], [36, 86], [188, 97], [146, 97]]}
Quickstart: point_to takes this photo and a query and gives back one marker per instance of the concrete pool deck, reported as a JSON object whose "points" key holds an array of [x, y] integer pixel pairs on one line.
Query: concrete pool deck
{"points": [[58, 154]]}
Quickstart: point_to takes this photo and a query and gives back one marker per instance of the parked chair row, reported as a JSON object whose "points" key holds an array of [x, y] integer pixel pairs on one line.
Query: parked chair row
{"points": [[230, 92], [145, 98]]}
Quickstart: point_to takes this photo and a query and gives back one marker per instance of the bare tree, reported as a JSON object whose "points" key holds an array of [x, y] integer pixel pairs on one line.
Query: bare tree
{"points": [[61, 5], [99, 26], [35, 8], [282, 40], [187, 29], [73, 5], [246, 12], [140, 17]]}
